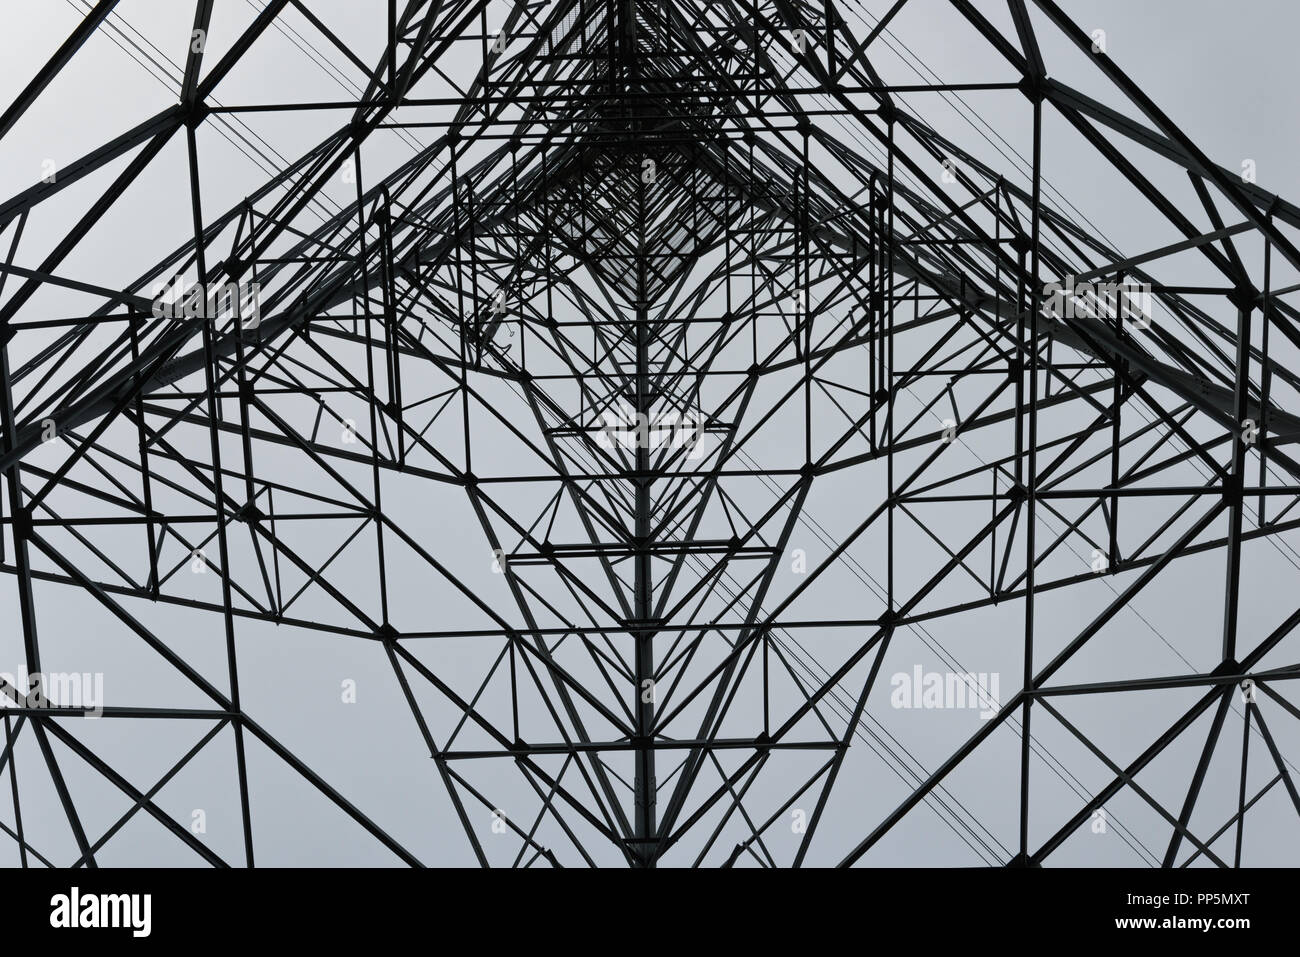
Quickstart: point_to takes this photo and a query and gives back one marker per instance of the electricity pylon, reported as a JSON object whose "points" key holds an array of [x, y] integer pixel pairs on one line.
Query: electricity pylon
{"points": [[678, 414]]}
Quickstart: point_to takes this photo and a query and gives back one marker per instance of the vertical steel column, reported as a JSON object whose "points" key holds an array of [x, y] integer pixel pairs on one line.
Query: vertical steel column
{"points": [[1031, 477], [1235, 484], [211, 386], [643, 585]]}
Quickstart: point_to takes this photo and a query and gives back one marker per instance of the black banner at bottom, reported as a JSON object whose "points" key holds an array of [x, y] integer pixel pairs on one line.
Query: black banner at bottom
{"points": [[140, 906]]}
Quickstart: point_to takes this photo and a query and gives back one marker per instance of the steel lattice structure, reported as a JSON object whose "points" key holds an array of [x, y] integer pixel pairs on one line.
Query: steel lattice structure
{"points": [[678, 384]]}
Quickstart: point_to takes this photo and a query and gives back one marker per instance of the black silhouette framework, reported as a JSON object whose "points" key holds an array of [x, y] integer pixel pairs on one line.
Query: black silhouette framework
{"points": [[625, 219]]}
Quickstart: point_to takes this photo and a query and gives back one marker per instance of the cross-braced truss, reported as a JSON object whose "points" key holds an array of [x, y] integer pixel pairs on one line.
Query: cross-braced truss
{"points": [[660, 398]]}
